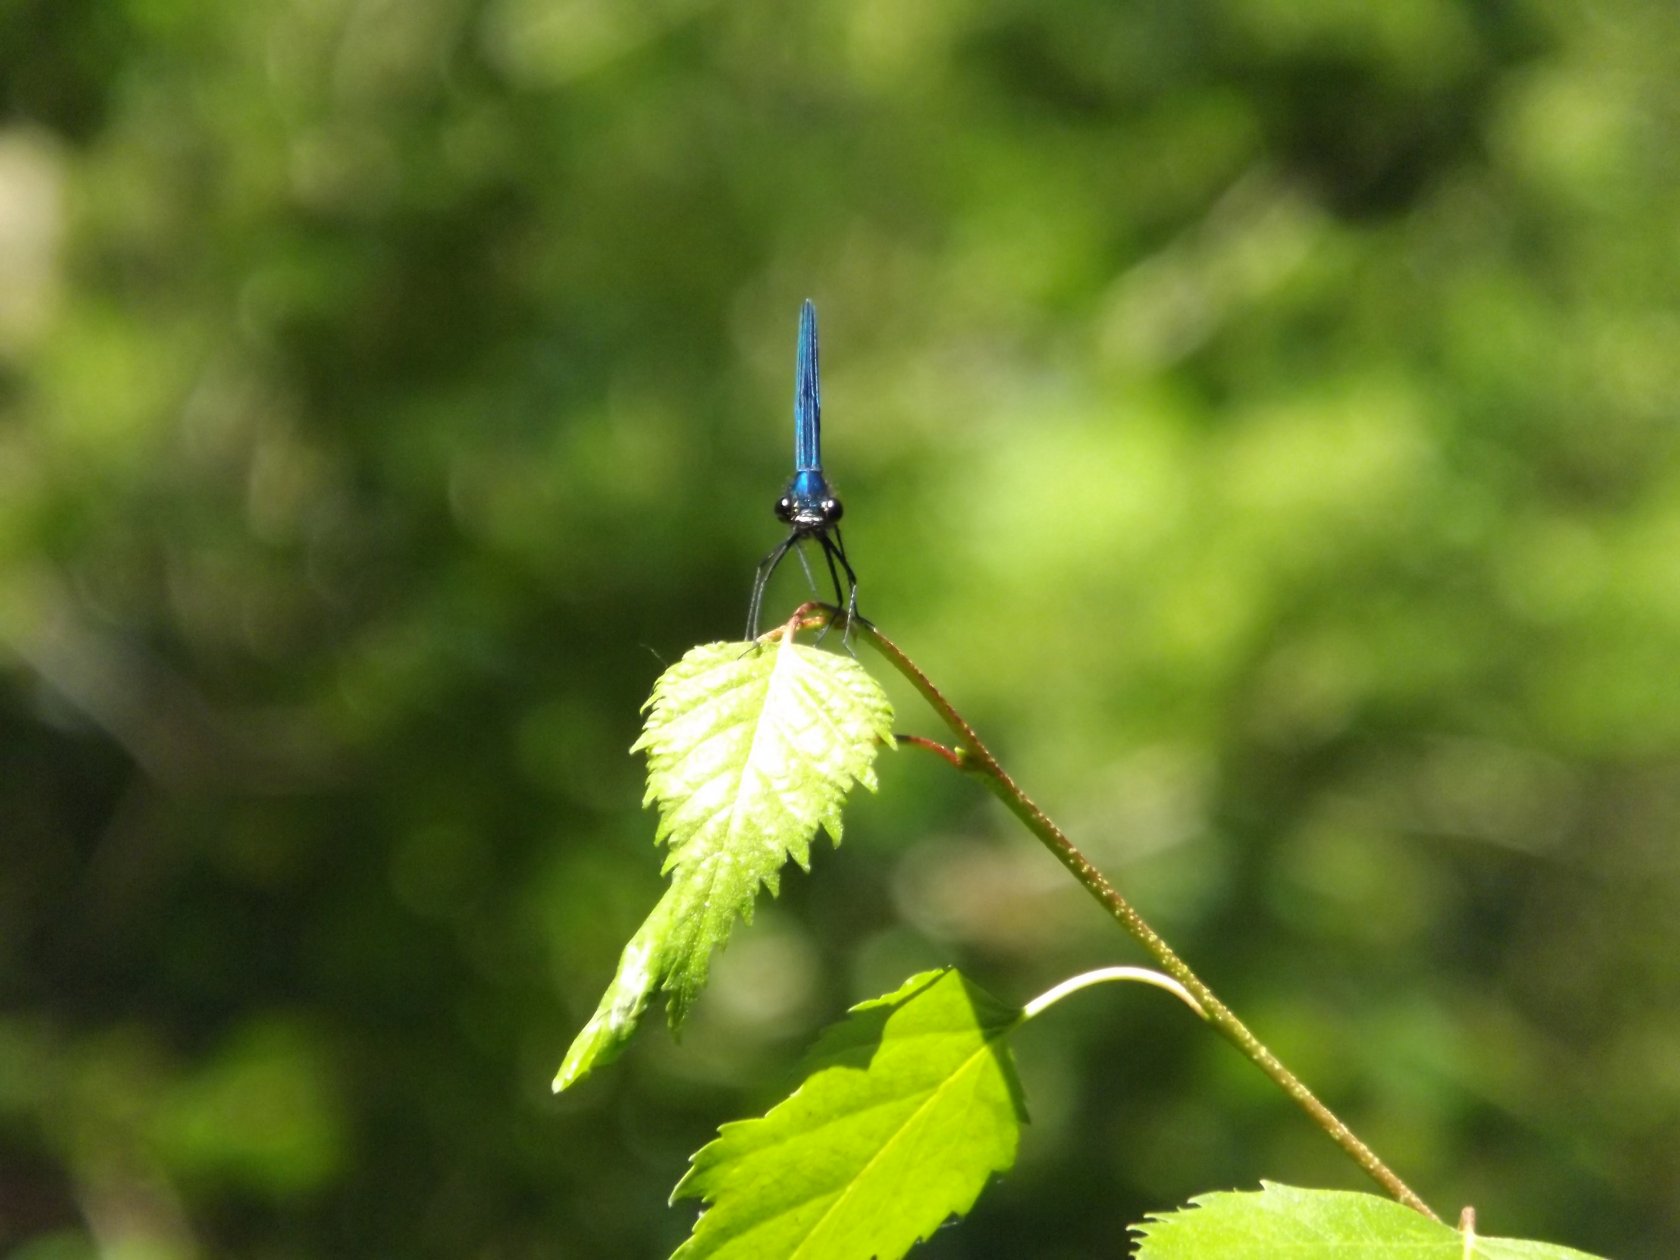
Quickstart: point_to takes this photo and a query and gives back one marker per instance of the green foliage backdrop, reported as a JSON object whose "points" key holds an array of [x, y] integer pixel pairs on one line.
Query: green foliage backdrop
{"points": [[1260, 415]]}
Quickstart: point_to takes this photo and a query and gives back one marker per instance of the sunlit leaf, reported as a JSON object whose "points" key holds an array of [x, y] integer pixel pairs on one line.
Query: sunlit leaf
{"points": [[907, 1107], [1285, 1222], [750, 750]]}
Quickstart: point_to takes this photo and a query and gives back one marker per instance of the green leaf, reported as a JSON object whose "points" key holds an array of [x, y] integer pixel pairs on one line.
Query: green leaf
{"points": [[907, 1107], [750, 749], [1283, 1221]]}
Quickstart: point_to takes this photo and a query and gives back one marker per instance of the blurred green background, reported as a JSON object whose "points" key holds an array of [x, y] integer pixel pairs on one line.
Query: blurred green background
{"points": [[1259, 415]]}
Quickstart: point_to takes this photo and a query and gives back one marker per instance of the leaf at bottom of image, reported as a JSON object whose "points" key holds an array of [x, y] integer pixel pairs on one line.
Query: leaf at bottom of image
{"points": [[1283, 1221], [907, 1107]]}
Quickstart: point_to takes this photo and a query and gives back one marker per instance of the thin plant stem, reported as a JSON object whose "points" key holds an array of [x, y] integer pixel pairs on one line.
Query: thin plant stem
{"points": [[950, 756], [1102, 975], [973, 756]]}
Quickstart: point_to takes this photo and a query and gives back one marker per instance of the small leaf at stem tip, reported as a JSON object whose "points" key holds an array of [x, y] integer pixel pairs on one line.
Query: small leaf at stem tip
{"points": [[750, 751], [907, 1108]]}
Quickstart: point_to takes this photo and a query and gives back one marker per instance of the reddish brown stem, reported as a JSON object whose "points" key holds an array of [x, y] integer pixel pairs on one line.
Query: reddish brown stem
{"points": [[972, 756], [950, 756]]}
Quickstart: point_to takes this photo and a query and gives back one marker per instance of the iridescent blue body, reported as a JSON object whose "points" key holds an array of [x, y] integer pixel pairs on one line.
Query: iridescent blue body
{"points": [[807, 397], [808, 505]]}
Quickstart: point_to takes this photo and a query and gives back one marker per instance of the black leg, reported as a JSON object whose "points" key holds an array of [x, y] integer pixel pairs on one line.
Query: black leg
{"points": [[834, 548], [766, 567], [833, 573], [834, 576], [805, 564]]}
